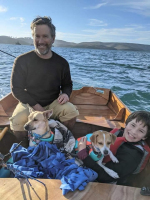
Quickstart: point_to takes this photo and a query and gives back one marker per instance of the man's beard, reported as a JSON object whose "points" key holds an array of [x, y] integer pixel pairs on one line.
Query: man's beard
{"points": [[48, 47]]}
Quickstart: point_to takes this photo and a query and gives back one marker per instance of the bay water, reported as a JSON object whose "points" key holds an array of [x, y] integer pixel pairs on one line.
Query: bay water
{"points": [[126, 73]]}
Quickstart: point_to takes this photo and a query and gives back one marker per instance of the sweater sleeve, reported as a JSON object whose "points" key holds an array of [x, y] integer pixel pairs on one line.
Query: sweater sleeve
{"points": [[18, 83], [66, 82], [129, 158]]}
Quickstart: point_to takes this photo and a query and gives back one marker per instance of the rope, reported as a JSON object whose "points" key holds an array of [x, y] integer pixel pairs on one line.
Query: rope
{"points": [[7, 53], [16, 171]]}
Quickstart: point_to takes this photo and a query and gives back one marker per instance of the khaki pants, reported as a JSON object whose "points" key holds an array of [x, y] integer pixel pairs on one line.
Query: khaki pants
{"points": [[62, 113]]}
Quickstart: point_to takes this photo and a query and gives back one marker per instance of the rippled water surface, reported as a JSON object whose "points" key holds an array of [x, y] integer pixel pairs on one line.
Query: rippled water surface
{"points": [[127, 73]]}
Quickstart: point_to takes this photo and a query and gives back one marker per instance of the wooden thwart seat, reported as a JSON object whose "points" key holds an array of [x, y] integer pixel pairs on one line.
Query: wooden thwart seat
{"points": [[100, 107]]}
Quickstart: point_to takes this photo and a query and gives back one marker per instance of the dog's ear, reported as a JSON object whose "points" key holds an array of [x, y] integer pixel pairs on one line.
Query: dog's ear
{"points": [[113, 137], [93, 138], [48, 113], [31, 109]]}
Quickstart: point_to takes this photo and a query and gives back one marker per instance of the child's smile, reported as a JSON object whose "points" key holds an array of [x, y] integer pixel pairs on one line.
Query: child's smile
{"points": [[135, 131]]}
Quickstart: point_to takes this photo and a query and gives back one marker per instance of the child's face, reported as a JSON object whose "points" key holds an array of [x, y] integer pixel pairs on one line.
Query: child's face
{"points": [[135, 131]]}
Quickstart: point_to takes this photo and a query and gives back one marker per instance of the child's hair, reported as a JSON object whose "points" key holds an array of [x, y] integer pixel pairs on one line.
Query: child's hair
{"points": [[143, 116]]}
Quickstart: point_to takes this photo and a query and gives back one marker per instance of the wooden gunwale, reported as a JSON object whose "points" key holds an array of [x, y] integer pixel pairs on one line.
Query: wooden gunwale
{"points": [[12, 189]]}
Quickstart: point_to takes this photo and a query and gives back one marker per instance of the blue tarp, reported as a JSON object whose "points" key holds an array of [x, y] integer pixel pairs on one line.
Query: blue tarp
{"points": [[46, 161]]}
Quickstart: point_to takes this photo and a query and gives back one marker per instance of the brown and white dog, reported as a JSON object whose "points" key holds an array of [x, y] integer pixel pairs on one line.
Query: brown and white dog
{"points": [[100, 142], [38, 127]]}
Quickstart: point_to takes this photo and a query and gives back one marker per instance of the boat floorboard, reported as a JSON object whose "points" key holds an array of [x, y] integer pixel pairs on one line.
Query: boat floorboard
{"points": [[14, 189], [98, 115]]}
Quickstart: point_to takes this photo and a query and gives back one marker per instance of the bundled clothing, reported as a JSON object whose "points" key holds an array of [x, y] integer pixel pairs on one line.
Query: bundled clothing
{"points": [[63, 138], [129, 155], [46, 161]]}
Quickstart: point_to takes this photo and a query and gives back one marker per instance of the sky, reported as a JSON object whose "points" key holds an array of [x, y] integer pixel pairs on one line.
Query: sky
{"points": [[126, 21]]}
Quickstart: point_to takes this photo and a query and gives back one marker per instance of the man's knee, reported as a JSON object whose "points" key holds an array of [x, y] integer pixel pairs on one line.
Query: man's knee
{"points": [[19, 117], [68, 112]]}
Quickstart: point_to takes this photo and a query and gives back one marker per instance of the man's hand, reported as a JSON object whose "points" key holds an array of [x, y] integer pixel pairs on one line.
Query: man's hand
{"points": [[63, 98], [38, 107]]}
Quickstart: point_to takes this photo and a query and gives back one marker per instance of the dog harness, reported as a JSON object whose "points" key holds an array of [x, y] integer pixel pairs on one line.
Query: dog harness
{"points": [[94, 155], [34, 137], [142, 145]]}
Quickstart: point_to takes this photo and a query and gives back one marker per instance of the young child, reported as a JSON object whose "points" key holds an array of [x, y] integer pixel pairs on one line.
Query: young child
{"points": [[129, 149]]}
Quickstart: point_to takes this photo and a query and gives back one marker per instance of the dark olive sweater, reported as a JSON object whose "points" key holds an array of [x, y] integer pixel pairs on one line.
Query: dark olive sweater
{"points": [[36, 80]]}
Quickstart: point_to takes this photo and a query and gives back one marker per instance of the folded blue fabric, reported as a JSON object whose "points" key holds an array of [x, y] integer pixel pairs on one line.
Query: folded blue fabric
{"points": [[46, 161]]}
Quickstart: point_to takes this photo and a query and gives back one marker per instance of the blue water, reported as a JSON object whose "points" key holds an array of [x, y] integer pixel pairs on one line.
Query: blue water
{"points": [[127, 73]]}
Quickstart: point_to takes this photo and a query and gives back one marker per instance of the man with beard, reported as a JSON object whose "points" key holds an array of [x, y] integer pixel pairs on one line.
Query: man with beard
{"points": [[41, 79]]}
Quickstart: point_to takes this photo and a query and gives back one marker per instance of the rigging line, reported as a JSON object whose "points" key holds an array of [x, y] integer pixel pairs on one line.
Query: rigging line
{"points": [[7, 53]]}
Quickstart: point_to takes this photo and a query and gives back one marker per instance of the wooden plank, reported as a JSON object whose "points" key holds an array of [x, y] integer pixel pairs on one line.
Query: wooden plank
{"points": [[86, 98], [108, 114], [2, 111], [4, 121], [13, 189], [8, 102], [115, 104], [100, 121], [89, 95]]}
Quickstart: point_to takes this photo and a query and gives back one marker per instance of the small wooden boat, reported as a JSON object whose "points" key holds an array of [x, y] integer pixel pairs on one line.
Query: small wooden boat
{"points": [[99, 108]]}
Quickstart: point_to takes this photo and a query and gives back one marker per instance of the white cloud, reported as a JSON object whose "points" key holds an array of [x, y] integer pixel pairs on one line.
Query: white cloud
{"points": [[13, 18], [3, 9], [138, 4], [130, 34], [17, 18], [21, 19], [96, 22], [127, 34], [96, 6], [141, 7]]}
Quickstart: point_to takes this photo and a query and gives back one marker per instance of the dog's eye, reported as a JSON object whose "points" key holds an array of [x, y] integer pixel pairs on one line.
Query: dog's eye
{"points": [[100, 143], [108, 143], [35, 120]]}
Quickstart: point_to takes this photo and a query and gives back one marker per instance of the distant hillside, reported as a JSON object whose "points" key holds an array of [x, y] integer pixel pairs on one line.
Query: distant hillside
{"points": [[104, 45], [10, 40], [89, 45]]}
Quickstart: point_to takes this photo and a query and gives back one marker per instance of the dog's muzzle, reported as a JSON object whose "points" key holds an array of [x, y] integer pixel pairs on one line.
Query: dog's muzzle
{"points": [[27, 127]]}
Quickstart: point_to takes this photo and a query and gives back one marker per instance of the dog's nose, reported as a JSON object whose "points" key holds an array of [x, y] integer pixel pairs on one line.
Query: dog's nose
{"points": [[26, 127], [105, 152]]}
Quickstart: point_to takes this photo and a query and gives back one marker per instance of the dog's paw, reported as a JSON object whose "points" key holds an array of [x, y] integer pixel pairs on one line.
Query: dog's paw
{"points": [[113, 174], [115, 160]]}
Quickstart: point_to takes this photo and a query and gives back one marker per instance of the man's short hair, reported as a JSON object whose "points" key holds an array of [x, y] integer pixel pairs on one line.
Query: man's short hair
{"points": [[44, 20]]}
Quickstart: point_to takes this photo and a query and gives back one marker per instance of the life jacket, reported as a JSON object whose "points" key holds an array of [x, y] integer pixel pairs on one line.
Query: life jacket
{"points": [[95, 156], [141, 145]]}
